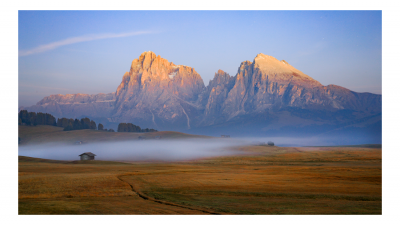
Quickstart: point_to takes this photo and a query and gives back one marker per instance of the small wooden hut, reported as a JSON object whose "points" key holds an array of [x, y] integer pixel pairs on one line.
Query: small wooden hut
{"points": [[87, 156]]}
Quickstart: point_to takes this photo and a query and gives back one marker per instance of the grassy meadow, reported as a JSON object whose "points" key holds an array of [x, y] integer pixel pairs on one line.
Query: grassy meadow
{"points": [[42, 134], [268, 180]]}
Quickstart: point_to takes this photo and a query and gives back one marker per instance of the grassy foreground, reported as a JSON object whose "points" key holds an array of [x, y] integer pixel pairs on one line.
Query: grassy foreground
{"points": [[274, 180]]}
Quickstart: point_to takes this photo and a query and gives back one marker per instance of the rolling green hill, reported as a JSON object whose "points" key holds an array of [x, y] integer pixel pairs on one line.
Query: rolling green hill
{"points": [[45, 134]]}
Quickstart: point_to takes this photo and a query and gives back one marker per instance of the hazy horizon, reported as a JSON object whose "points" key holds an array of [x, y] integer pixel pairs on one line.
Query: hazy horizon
{"points": [[148, 150], [163, 150], [69, 52]]}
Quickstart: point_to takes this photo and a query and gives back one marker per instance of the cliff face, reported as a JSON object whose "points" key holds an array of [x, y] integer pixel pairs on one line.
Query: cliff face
{"points": [[270, 85], [158, 91], [212, 98], [266, 92]]}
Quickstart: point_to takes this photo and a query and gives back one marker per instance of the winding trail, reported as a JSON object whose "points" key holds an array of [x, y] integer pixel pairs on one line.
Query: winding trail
{"points": [[145, 197]]}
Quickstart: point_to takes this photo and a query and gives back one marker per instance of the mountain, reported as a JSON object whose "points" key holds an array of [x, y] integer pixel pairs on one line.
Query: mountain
{"points": [[158, 93], [270, 84], [265, 97], [76, 105], [271, 97]]}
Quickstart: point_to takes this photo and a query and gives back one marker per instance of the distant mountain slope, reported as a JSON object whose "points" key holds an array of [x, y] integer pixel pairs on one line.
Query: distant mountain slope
{"points": [[266, 96], [76, 105]]}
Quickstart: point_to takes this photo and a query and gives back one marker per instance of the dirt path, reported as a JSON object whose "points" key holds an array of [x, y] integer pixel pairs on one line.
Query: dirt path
{"points": [[145, 197]]}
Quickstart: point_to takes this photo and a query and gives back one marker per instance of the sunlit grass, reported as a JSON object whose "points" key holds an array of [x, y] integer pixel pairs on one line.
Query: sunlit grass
{"points": [[272, 180], [295, 178]]}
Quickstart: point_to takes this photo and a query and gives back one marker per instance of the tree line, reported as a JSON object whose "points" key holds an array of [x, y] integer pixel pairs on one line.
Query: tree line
{"points": [[33, 119], [71, 124], [129, 127]]}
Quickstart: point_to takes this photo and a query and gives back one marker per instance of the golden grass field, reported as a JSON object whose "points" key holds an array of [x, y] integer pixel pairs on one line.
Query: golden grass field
{"points": [[268, 180]]}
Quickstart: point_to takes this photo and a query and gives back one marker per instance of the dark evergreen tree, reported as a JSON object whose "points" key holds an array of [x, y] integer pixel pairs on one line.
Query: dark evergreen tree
{"points": [[39, 118], [129, 127], [23, 114], [70, 125], [50, 120], [32, 119], [93, 125], [77, 124], [100, 127], [121, 127], [64, 122], [85, 123]]}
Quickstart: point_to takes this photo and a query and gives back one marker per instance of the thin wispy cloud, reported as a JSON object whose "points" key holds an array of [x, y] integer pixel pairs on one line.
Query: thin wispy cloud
{"points": [[74, 40]]}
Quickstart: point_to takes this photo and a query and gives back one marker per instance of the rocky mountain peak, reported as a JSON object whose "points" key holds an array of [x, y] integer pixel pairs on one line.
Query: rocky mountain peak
{"points": [[147, 56], [220, 72], [272, 65], [245, 64], [280, 70], [155, 88], [220, 76], [285, 62], [152, 70]]}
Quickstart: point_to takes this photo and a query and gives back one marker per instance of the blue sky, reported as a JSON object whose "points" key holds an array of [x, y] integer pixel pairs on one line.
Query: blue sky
{"points": [[68, 52]]}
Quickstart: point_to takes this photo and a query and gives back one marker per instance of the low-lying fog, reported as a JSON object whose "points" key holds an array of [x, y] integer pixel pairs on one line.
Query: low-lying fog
{"points": [[299, 141], [147, 150], [162, 150]]}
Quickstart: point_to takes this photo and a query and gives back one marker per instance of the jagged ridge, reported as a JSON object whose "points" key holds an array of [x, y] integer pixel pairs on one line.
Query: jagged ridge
{"points": [[157, 93]]}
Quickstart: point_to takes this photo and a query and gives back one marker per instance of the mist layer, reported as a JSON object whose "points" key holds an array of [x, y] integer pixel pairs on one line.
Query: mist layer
{"points": [[148, 150]]}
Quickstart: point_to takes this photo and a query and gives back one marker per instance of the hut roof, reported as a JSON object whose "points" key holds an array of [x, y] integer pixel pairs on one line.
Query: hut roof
{"points": [[87, 153]]}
